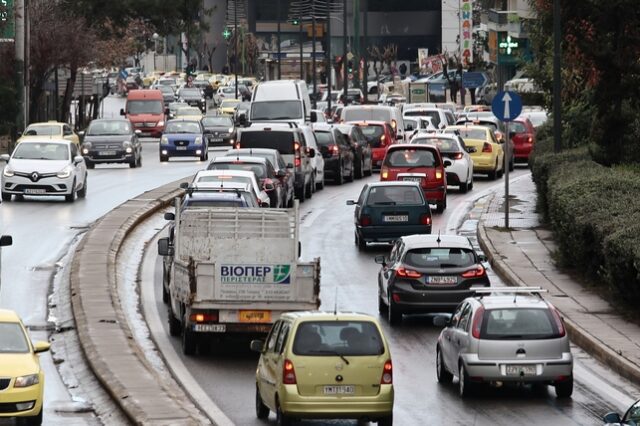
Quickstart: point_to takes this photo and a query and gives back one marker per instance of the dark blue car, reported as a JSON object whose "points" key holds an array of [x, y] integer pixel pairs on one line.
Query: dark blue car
{"points": [[183, 138]]}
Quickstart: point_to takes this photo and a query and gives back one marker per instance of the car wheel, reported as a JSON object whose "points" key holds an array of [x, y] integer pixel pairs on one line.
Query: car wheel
{"points": [[281, 418], [262, 411], [340, 178], [70, 198], [90, 164], [441, 371], [310, 187], [512, 165], [386, 421], [351, 176], [314, 186], [465, 387], [361, 243], [493, 174], [34, 420], [464, 187], [290, 202], [83, 192], [393, 315], [564, 389], [133, 163], [320, 185], [500, 172], [302, 193], [175, 326], [382, 307], [164, 158], [441, 205], [471, 183], [140, 160], [6, 197], [188, 339]]}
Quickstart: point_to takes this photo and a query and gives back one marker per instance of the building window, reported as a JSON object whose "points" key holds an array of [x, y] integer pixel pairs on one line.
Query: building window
{"points": [[404, 5]]}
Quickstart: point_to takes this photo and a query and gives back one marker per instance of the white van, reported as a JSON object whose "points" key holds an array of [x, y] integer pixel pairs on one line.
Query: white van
{"points": [[388, 114], [281, 100]]}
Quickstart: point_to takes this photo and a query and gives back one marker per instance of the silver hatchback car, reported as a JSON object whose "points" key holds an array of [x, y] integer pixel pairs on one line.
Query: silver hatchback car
{"points": [[504, 334]]}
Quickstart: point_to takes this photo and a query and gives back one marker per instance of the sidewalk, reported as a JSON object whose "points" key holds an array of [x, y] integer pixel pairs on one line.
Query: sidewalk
{"points": [[522, 256]]}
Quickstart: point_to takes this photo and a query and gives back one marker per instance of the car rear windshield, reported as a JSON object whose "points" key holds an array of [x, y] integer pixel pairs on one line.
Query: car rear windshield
{"points": [[276, 110], [518, 324], [395, 195], [281, 141], [411, 158], [324, 138], [335, 338], [166, 89], [220, 181], [517, 127], [260, 170], [443, 144], [12, 338], [434, 115], [472, 133], [373, 134], [367, 114], [145, 107], [195, 92], [440, 257]]}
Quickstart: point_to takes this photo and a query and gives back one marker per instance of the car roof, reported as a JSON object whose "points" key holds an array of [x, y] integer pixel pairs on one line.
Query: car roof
{"points": [[182, 120], [512, 300], [472, 127], [301, 316], [214, 196], [242, 158], [397, 146], [232, 152], [425, 135], [367, 123], [47, 123], [393, 183], [431, 240], [225, 172], [8, 316]]}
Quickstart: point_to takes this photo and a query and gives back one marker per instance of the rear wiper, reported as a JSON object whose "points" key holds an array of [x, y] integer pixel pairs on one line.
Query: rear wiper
{"points": [[336, 353], [385, 203]]}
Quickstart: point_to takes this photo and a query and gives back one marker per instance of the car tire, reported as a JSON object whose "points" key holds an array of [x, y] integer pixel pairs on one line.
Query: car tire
{"points": [[133, 163], [83, 192], [70, 198], [140, 160], [564, 389], [175, 326], [362, 244], [393, 315], [281, 418], [302, 193], [311, 187], [493, 174], [465, 386], [34, 420], [471, 184], [464, 187], [443, 375], [512, 165], [164, 158], [351, 176], [340, 178], [262, 411], [90, 164], [386, 421], [189, 343], [382, 307], [6, 197], [320, 185], [441, 205]]}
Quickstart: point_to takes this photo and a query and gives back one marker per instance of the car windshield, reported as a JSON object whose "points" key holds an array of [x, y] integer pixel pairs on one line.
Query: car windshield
{"points": [[12, 338], [467, 133], [260, 170], [338, 338], [41, 151], [182, 127], [443, 144], [188, 111], [249, 153], [440, 257], [281, 141], [411, 158], [518, 324], [434, 115], [217, 121], [324, 138], [276, 110], [395, 195], [367, 114], [104, 128], [517, 127], [43, 130], [373, 135], [145, 107]]}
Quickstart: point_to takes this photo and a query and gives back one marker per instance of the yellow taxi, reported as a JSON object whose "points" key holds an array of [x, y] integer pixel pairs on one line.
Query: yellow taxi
{"points": [[228, 106], [149, 79], [21, 378], [51, 128], [327, 366], [488, 154], [189, 113]]}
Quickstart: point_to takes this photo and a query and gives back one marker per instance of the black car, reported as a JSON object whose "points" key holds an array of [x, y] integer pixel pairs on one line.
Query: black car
{"points": [[631, 417], [193, 96], [168, 95], [220, 130], [337, 153], [363, 159], [111, 141]]}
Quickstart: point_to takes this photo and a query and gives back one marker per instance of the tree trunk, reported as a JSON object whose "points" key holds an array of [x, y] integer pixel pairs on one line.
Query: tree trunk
{"points": [[68, 95]]}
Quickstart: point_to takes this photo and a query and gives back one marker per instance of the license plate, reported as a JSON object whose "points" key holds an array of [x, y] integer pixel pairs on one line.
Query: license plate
{"points": [[211, 328], [34, 191], [438, 279], [255, 316], [396, 218], [412, 179], [181, 148], [216, 140], [519, 370], [106, 153], [339, 390]]}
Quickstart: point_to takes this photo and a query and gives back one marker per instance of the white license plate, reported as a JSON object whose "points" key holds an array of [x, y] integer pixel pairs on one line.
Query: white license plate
{"points": [[339, 390], [216, 140], [35, 191], [519, 370], [442, 280], [181, 148], [106, 153], [396, 218], [412, 179], [211, 328]]}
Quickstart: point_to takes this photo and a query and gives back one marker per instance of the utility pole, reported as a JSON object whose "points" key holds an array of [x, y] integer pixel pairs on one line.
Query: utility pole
{"points": [[313, 50], [329, 61], [301, 52], [20, 66], [365, 42], [557, 83], [235, 42], [345, 60], [279, 49]]}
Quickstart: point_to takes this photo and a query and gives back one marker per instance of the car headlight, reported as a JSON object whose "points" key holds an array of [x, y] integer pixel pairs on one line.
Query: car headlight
{"points": [[65, 173], [198, 141], [160, 123], [230, 129], [26, 381], [8, 171], [86, 145], [164, 140], [127, 147]]}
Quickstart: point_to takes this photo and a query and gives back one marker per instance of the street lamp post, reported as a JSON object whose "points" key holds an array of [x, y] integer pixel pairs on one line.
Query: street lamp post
{"points": [[301, 49], [313, 50], [329, 62], [279, 48], [557, 83], [235, 43], [155, 37], [345, 59]]}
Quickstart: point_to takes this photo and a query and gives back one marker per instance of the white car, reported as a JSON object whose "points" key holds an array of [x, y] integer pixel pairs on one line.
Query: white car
{"points": [[452, 147], [44, 167], [317, 161], [439, 116], [218, 178]]}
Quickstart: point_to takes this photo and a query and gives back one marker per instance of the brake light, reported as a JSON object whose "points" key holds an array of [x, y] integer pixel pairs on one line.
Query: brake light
{"points": [[204, 317], [530, 139], [407, 273], [425, 219], [334, 150], [487, 147], [382, 140], [365, 220], [457, 156], [297, 162], [438, 174], [288, 373], [394, 124], [558, 320], [296, 146], [387, 373], [477, 322], [237, 146], [475, 272], [384, 173]]}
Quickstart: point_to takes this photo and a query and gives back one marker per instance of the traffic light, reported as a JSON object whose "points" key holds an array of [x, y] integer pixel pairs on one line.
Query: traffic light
{"points": [[350, 67]]}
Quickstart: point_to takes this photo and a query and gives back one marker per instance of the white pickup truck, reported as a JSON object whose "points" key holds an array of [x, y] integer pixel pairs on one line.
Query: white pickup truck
{"points": [[235, 271]]}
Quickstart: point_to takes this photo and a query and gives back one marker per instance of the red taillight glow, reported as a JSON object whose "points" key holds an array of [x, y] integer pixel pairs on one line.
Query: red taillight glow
{"points": [[296, 146], [297, 162], [530, 139], [384, 174], [475, 272], [407, 273], [383, 141], [558, 320], [205, 317], [477, 322], [439, 174], [288, 373], [487, 147], [334, 150], [387, 373], [457, 156], [365, 220], [425, 219]]}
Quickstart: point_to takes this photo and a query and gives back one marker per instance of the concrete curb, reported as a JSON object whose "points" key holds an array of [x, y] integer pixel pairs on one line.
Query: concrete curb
{"points": [[577, 334], [103, 331]]}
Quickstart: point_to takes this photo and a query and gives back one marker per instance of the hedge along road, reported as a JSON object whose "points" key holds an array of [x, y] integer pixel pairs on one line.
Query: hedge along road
{"points": [[226, 374]]}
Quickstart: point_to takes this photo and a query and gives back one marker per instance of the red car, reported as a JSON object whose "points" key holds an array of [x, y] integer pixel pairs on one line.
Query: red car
{"points": [[418, 163], [523, 136], [379, 134]]}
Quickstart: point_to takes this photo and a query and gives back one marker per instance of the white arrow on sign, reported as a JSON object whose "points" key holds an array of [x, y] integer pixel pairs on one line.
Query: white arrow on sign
{"points": [[506, 99]]}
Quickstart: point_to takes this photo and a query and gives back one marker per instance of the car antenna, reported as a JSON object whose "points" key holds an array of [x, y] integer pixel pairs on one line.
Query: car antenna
{"points": [[438, 240], [335, 308]]}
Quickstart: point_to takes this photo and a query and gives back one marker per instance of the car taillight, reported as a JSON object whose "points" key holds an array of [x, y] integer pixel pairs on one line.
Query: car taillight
{"points": [[477, 322], [558, 320], [475, 272], [237, 146], [387, 373], [425, 219], [384, 174], [334, 150], [383, 141], [365, 220], [204, 317], [487, 147], [288, 373], [439, 174], [457, 156], [530, 139], [297, 162], [407, 273]]}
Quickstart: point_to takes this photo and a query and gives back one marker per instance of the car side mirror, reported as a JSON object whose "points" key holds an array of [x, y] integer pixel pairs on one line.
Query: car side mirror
{"points": [[380, 260], [311, 152], [169, 216], [442, 320], [281, 173], [351, 202], [408, 127], [612, 418], [78, 159], [5, 158], [19, 134], [313, 116], [122, 111], [471, 149], [289, 166], [447, 163], [257, 346], [399, 137], [482, 257], [39, 347], [184, 185], [6, 240], [138, 132], [81, 133], [164, 248]]}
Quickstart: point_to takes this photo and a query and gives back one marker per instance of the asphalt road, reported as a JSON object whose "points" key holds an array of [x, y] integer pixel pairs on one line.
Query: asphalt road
{"points": [[226, 372]]}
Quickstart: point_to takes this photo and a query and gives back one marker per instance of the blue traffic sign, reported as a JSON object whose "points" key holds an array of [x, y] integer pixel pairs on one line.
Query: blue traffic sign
{"points": [[506, 106], [473, 80]]}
